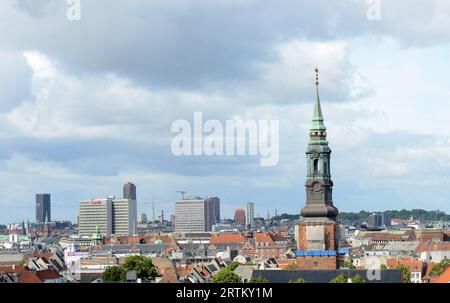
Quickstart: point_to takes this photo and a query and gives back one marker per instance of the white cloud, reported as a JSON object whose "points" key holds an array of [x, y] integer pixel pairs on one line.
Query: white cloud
{"points": [[105, 91]]}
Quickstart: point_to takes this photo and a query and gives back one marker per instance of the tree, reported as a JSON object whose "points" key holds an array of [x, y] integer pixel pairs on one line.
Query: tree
{"points": [[406, 273], [440, 268], [114, 274], [340, 279], [259, 280], [225, 275], [299, 280], [358, 279], [233, 265], [143, 266], [349, 264], [383, 266]]}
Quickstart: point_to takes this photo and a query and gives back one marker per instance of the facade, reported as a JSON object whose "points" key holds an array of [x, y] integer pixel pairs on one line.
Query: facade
{"points": [[250, 219], [270, 246], [43, 208], [385, 220], [93, 214], [193, 215], [110, 215], [239, 217], [318, 229], [129, 191], [124, 217], [375, 220], [215, 205]]}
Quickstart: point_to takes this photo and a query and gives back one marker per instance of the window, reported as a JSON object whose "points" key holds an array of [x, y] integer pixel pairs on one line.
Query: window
{"points": [[316, 263], [316, 165]]}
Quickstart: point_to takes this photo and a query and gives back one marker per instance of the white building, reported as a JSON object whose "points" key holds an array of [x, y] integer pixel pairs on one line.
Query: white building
{"points": [[193, 215], [124, 216], [93, 213], [111, 215]]}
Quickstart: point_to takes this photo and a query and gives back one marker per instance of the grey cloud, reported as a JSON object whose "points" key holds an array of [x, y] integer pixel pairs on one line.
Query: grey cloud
{"points": [[182, 44], [37, 8], [15, 79]]}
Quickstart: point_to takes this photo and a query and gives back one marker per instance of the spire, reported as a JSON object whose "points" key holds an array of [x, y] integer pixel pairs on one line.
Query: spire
{"points": [[317, 119]]}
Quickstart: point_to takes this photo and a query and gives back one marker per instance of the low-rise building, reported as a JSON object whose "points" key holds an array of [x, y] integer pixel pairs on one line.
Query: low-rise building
{"points": [[416, 267]]}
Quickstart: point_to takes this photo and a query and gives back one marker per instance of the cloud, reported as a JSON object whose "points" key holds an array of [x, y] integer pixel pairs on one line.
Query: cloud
{"points": [[198, 45], [93, 101]]}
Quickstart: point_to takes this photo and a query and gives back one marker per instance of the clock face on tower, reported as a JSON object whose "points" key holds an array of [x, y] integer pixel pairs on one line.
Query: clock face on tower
{"points": [[316, 155], [316, 187]]}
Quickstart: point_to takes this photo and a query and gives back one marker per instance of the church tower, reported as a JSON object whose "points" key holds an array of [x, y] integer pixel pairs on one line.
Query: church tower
{"points": [[318, 230]]}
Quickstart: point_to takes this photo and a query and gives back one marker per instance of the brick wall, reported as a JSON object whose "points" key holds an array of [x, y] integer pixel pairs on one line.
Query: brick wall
{"points": [[317, 263], [330, 235]]}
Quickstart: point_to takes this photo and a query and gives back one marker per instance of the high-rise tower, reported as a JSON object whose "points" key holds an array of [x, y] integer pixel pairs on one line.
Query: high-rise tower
{"points": [[318, 230], [129, 191], [43, 208]]}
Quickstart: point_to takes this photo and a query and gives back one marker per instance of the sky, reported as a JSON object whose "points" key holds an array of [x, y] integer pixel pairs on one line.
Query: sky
{"points": [[87, 104]]}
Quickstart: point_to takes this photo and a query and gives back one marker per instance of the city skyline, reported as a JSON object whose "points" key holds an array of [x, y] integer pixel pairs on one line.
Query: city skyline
{"points": [[81, 118]]}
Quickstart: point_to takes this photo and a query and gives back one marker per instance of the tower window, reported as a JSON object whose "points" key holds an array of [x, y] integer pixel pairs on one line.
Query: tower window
{"points": [[316, 165]]}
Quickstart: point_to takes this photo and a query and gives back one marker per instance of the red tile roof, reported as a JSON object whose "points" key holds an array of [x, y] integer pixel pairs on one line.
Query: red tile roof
{"points": [[263, 238], [227, 238], [279, 236], [444, 278], [183, 271], [29, 277], [48, 275], [430, 265], [413, 265], [432, 246], [170, 276], [166, 239]]}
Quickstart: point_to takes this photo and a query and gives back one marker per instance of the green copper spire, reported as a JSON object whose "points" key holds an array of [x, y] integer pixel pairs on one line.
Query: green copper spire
{"points": [[317, 119], [318, 132]]}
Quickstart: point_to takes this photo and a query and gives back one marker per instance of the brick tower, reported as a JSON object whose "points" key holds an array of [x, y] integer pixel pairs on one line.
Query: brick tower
{"points": [[318, 230]]}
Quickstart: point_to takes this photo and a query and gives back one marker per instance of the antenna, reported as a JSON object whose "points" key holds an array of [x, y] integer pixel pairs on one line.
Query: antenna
{"points": [[182, 193]]}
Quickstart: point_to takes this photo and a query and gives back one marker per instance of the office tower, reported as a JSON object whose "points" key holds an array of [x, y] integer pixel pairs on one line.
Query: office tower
{"points": [[129, 191], [215, 209], [93, 214], [193, 215], [43, 208], [318, 229], [250, 218], [111, 215], [385, 219], [144, 218], [124, 217], [239, 217], [375, 220]]}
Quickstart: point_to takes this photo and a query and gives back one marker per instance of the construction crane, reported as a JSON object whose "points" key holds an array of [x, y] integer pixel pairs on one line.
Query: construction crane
{"points": [[152, 204]]}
